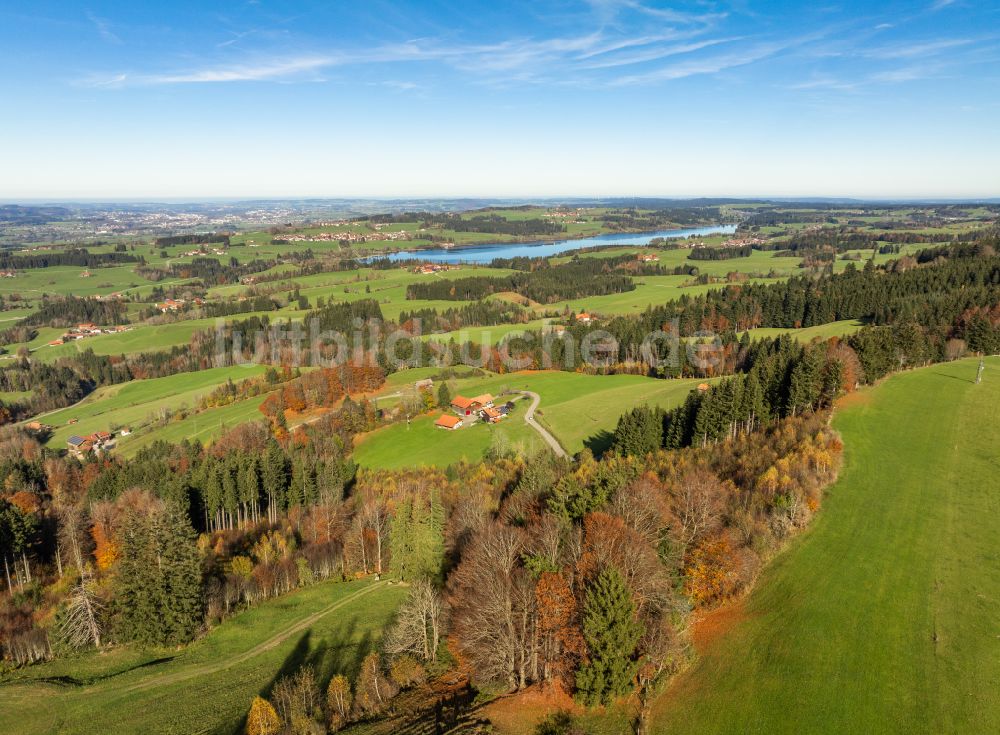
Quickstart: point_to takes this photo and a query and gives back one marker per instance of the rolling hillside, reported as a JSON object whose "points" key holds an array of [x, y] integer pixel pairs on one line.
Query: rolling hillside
{"points": [[882, 617]]}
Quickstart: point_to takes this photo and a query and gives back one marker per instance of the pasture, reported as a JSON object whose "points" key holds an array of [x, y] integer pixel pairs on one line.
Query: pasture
{"points": [[204, 426], [207, 686], [140, 402], [881, 618], [808, 334], [580, 411]]}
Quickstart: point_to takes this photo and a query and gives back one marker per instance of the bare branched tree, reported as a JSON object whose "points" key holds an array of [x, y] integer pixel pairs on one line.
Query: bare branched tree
{"points": [[80, 626], [419, 623]]}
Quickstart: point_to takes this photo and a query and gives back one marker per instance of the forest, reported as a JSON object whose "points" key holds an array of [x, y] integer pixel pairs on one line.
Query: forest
{"points": [[74, 256], [576, 279]]}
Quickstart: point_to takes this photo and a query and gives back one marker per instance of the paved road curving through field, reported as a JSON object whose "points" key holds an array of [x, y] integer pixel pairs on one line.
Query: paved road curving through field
{"points": [[529, 419]]}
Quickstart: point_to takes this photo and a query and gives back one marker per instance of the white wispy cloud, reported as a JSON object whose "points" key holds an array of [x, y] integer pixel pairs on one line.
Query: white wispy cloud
{"points": [[705, 65], [626, 42], [272, 69], [653, 54], [941, 4], [103, 28], [609, 9], [925, 48], [905, 74], [825, 82], [520, 58]]}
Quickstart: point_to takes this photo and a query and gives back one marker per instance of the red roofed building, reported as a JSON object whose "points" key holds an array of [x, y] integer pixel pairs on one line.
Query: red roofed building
{"points": [[463, 406], [492, 415], [446, 421]]}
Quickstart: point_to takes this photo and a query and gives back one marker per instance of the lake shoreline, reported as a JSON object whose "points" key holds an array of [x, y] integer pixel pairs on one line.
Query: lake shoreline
{"points": [[456, 253]]}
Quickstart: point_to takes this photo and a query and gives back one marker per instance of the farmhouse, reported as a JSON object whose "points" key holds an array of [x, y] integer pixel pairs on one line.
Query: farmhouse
{"points": [[648, 258], [485, 400], [471, 406], [425, 384], [78, 446], [584, 318], [170, 305], [463, 406], [448, 422], [493, 415]]}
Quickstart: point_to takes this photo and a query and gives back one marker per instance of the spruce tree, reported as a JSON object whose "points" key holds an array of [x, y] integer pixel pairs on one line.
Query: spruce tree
{"points": [[181, 576], [138, 583], [612, 633], [444, 396], [158, 587]]}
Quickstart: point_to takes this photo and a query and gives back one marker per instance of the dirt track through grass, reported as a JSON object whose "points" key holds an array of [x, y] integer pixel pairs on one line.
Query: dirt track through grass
{"points": [[260, 648]]}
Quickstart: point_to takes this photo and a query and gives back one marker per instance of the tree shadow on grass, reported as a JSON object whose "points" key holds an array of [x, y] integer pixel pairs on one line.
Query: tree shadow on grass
{"points": [[955, 377], [599, 443], [295, 659], [341, 653], [87, 681], [341, 656]]}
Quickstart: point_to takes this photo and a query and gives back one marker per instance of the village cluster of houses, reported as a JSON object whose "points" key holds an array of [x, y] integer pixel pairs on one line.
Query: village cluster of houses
{"points": [[739, 242], [469, 410], [431, 268], [346, 236], [177, 304], [199, 251], [82, 331], [648, 258], [565, 214]]}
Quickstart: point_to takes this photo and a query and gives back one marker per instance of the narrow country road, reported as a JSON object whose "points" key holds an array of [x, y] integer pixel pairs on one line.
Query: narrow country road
{"points": [[529, 419]]}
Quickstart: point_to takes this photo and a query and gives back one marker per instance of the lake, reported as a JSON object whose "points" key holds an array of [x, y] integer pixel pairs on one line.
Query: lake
{"points": [[486, 253]]}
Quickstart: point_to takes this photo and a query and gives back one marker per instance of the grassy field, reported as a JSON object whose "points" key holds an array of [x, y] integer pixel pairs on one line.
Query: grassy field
{"points": [[423, 444], [139, 401], [141, 338], [206, 687], [882, 617], [205, 426], [580, 410], [808, 334]]}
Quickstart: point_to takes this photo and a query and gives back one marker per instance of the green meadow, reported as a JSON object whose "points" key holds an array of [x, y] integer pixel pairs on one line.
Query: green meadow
{"points": [[580, 411], [882, 617], [422, 444], [139, 404], [808, 334], [205, 426], [207, 686]]}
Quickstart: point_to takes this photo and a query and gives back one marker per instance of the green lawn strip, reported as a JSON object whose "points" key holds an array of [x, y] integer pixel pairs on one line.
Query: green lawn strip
{"points": [[206, 687], [136, 402], [881, 618]]}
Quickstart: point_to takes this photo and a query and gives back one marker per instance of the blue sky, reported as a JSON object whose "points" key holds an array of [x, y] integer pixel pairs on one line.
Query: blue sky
{"points": [[463, 98]]}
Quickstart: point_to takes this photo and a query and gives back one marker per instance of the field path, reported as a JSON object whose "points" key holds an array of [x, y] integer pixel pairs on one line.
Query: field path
{"points": [[275, 640], [529, 419]]}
